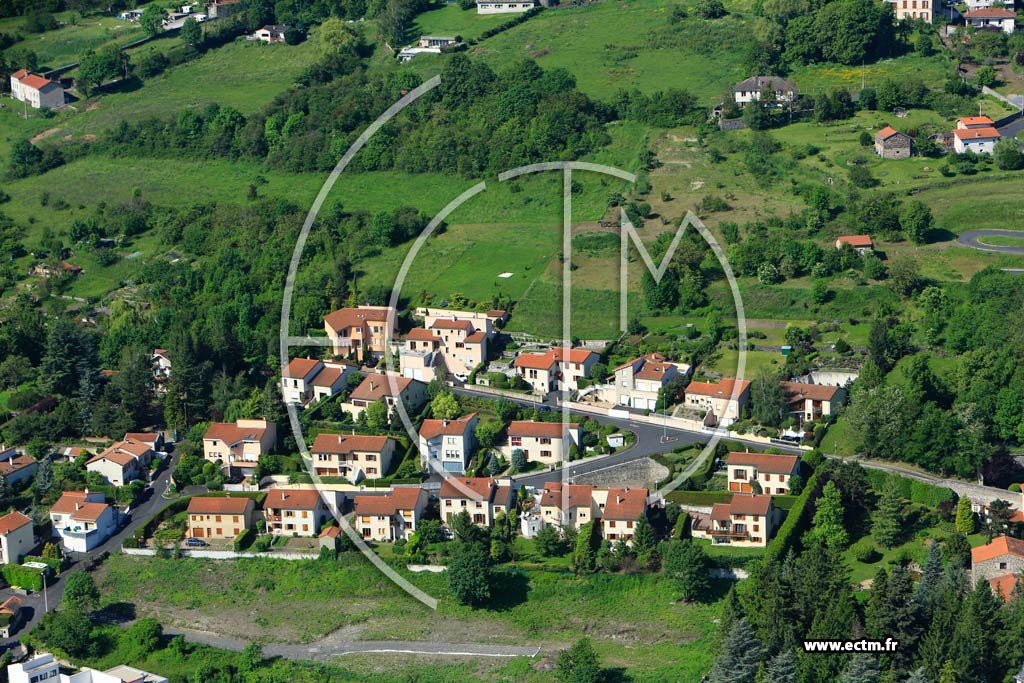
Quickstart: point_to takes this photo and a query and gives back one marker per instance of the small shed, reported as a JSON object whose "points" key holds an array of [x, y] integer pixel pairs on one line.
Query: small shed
{"points": [[616, 440], [892, 144]]}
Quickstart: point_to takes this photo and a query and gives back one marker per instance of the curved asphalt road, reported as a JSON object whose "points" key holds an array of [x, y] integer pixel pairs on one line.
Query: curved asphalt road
{"points": [[971, 238], [648, 442]]}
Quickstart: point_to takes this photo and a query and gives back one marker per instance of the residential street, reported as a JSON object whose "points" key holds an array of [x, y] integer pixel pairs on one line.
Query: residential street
{"points": [[649, 442], [54, 591]]}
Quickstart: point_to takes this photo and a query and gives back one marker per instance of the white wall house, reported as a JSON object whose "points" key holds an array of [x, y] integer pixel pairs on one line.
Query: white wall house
{"points": [[977, 140], [638, 382], [82, 521], [16, 537], [544, 442], [36, 91], [750, 90], [448, 444], [997, 17]]}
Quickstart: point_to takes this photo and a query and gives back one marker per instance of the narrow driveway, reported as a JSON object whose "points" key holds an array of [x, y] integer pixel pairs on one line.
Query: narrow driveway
{"points": [[971, 238], [37, 603], [329, 647]]}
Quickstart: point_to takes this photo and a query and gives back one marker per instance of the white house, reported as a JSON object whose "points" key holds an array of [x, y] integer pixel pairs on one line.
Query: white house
{"points": [[862, 244], [353, 456], [723, 403], [977, 140], [16, 537], [36, 91], [544, 442], [481, 497], [749, 90], [82, 520], [557, 369], [638, 382], [121, 462], [16, 467], [992, 17], [448, 443], [540, 371], [307, 380], [495, 7], [44, 668], [271, 33], [771, 472], [161, 369], [377, 387]]}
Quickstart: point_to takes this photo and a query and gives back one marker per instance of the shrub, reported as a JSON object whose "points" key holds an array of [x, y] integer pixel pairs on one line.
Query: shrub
{"points": [[26, 577], [243, 540]]}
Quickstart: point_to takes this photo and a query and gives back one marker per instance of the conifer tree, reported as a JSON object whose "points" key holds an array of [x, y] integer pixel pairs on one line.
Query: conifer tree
{"points": [[740, 656], [965, 517]]}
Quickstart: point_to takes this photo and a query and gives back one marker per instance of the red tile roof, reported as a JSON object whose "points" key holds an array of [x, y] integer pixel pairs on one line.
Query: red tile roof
{"points": [[982, 121], [326, 377], [1003, 586], [554, 430], [219, 505], [653, 357], [89, 512], [231, 433], [534, 361], [341, 443], [34, 80], [796, 391], [402, 498], [16, 463], [749, 504], [855, 240], [765, 462], [68, 501], [421, 334], [723, 389], [330, 532], [976, 133], [375, 387], [653, 371], [292, 499], [147, 438], [565, 355], [11, 605], [432, 428], [990, 13], [570, 496], [19, 74], [122, 452], [298, 368], [477, 337], [352, 317], [887, 132], [720, 512], [451, 324], [1001, 545], [12, 521], [480, 487], [625, 503]]}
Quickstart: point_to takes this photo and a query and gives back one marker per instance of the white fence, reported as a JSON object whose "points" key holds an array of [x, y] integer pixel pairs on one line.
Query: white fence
{"points": [[221, 554]]}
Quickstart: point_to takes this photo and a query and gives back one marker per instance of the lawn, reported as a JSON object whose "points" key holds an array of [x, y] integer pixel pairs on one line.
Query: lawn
{"points": [[704, 57], [65, 45], [245, 75], [451, 20], [632, 619], [816, 78], [1002, 240]]}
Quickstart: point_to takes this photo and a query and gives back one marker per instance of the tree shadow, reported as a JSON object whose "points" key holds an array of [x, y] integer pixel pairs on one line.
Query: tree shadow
{"points": [[508, 589], [615, 675], [935, 235], [116, 613]]}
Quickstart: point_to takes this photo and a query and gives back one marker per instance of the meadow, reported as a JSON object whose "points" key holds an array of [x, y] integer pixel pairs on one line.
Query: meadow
{"points": [[633, 620], [64, 45]]}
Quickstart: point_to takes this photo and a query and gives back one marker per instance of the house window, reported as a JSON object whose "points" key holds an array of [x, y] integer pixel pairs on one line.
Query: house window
{"points": [[611, 524], [516, 441], [545, 454], [741, 474], [218, 518], [782, 477], [629, 525], [370, 457], [757, 528], [1002, 565], [371, 470], [545, 440], [767, 477], [448, 503]]}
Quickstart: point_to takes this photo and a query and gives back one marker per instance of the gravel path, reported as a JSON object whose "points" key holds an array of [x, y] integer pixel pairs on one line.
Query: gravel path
{"points": [[331, 646]]}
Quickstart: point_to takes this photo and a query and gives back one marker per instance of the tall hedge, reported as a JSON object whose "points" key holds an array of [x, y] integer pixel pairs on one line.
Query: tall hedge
{"points": [[920, 492], [26, 577]]}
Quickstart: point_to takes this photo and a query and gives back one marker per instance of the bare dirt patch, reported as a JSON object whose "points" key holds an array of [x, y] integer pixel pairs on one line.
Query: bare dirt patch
{"points": [[42, 136]]}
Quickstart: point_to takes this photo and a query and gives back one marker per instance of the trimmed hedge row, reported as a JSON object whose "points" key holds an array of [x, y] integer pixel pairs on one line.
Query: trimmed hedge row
{"points": [[913, 490], [798, 520], [491, 32], [243, 540], [26, 577]]}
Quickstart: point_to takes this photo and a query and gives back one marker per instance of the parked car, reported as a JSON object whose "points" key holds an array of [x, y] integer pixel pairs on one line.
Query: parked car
{"points": [[195, 542]]}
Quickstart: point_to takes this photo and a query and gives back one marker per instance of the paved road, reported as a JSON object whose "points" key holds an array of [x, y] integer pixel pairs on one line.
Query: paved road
{"points": [[37, 602], [1012, 129], [332, 646], [649, 442], [971, 239]]}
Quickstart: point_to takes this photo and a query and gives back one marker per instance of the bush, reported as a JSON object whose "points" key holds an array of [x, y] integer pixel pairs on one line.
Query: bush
{"points": [[864, 551], [26, 577], [243, 540]]}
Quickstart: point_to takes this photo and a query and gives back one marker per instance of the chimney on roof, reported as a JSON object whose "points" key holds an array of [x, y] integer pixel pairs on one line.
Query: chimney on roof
{"points": [[372, 387], [444, 422]]}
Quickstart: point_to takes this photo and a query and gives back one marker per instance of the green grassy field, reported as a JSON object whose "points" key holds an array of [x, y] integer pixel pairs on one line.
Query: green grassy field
{"points": [[1002, 240], [451, 20], [703, 57], [628, 617], [65, 44], [816, 78]]}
